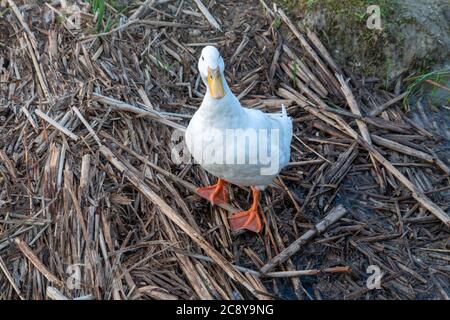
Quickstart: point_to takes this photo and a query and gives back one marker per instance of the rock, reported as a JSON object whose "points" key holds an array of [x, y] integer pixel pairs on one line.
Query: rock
{"points": [[414, 35]]}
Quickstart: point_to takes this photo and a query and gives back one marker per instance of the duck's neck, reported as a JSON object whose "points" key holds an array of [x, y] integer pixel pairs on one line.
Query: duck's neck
{"points": [[226, 106]]}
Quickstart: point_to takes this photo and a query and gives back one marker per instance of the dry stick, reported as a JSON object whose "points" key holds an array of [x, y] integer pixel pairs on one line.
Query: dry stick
{"points": [[354, 108], [324, 114], [296, 283], [266, 7], [419, 128], [36, 262], [386, 105], [158, 63], [416, 193], [312, 150], [311, 272], [437, 84], [55, 124], [187, 185], [145, 98], [141, 9], [304, 163], [142, 22], [119, 105], [413, 273], [308, 48], [388, 125], [179, 200], [205, 258], [86, 124], [10, 278], [54, 294], [178, 220], [437, 284], [322, 50], [241, 46], [393, 145], [314, 100], [85, 177], [330, 130], [305, 70], [28, 115], [208, 15], [303, 86], [31, 43], [186, 265], [30, 118], [339, 169], [69, 185], [299, 69], [297, 207], [154, 292], [276, 274], [9, 165], [360, 292], [337, 122], [334, 215], [361, 125]]}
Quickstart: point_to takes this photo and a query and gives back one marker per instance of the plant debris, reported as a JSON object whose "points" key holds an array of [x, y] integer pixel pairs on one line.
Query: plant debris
{"points": [[93, 204]]}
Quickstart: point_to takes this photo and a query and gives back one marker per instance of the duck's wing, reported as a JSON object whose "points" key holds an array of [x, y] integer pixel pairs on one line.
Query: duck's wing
{"points": [[285, 123], [280, 121]]}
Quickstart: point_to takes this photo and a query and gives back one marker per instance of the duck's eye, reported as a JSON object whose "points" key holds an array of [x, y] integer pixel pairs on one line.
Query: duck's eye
{"points": [[203, 58]]}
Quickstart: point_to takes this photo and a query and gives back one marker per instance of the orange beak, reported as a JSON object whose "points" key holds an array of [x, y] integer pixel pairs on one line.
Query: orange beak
{"points": [[215, 83]]}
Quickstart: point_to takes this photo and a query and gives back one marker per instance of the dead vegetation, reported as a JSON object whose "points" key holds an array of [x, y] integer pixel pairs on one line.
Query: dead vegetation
{"points": [[92, 206]]}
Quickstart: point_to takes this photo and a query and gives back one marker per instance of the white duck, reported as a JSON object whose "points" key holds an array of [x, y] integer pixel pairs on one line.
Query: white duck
{"points": [[245, 147]]}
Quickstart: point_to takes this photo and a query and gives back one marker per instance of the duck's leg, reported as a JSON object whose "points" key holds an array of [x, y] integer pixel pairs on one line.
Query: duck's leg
{"points": [[248, 219], [217, 193]]}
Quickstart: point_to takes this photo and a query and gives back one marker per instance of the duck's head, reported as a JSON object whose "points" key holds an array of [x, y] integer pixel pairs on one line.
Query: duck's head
{"points": [[211, 68]]}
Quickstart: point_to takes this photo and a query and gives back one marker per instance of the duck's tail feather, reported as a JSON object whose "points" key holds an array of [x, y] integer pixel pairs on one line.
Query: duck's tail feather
{"points": [[283, 110], [282, 114]]}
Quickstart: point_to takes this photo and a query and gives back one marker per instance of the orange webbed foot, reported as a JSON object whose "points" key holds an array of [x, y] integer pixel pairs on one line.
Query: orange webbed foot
{"points": [[216, 194], [249, 219]]}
